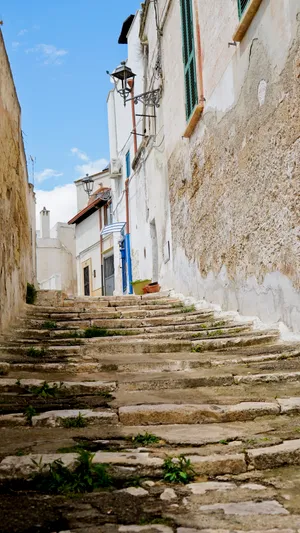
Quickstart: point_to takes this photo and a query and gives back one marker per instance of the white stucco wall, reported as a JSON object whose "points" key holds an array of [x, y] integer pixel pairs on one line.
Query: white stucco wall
{"points": [[56, 258]]}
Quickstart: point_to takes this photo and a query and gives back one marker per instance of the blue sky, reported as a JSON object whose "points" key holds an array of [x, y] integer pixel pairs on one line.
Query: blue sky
{"points": [[59, 52]]}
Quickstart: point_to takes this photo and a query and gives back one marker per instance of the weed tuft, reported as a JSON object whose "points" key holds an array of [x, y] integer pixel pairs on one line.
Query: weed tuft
{"points": [[49, 324], [188, 309], [55, 478], [45, 390], [178, 470], [74, 422], [145, 439], [36, 352], [29, 413]]}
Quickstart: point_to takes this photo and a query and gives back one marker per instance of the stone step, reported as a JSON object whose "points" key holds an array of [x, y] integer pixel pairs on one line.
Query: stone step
{"points": [[207, 413], [203, 378], [186, 329], [22, 385], [115, 323], [107, 313], [150, 463], [59, 417]]}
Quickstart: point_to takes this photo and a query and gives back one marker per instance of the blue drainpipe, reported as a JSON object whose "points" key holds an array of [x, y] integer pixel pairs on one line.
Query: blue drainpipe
{"points": [[128, 261]]}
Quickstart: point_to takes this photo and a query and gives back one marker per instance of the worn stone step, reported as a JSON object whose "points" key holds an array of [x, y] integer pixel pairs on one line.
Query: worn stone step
{"points": [[255, 337], [59, 417], [63, 387], [200, 414], [212, 465]]}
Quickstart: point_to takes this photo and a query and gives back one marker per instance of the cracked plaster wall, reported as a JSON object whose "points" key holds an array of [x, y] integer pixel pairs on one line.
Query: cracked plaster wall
{"points": [[235, 185], [17, 203]]}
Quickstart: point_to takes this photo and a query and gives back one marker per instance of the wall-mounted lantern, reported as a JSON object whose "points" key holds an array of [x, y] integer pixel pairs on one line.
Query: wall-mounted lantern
{"points": [[124, 74], [88, 185]]}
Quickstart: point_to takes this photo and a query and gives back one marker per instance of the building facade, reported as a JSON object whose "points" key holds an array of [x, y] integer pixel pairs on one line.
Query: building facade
{"points": [[214, 170], [56, 260], [17, 202], [95, 260]]}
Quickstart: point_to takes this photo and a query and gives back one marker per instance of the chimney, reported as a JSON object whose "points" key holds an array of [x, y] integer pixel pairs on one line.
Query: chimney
{"points": [[45, 223]]}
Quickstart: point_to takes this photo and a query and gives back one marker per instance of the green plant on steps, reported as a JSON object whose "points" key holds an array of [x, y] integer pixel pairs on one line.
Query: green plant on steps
{"points": [[45, 390], [178, 470], [55, 478], [49, 324], [31, 294], [36, 352], [29, 413], [74, 422], [188, 309], [145, 439]]}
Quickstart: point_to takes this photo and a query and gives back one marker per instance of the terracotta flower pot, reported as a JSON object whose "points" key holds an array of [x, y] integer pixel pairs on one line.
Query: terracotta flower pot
{"points": [[152, 287]]}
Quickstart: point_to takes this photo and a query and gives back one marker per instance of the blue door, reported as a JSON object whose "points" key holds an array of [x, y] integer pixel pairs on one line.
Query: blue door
{"points": [[124, 266]]}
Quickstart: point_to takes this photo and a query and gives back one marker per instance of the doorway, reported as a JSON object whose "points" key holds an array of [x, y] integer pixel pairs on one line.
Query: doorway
{"points": [[153, 234], [109, 275], [86, 281]]}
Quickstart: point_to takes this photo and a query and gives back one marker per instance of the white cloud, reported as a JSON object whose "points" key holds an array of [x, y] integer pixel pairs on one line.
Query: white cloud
{"points": [[60, 201], [89, 167], [15, 45], [46, 174], [22, 32], [80, 154], [48, 54], [92, 167]]}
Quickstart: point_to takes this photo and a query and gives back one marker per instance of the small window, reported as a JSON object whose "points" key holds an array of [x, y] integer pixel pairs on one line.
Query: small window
{"points": [[242, 4], [189, 57], [128, 168]]}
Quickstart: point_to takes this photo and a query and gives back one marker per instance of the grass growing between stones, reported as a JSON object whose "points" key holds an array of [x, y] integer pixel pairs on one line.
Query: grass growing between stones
{"points": [[74, 422], [188, 309], [178, 470], [55, 478], [45, 390], [29, 413], [94, 331], [49, 324], [145, 439], [36, 352]]}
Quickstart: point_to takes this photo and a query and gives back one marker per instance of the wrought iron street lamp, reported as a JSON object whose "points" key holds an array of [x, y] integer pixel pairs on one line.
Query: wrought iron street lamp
{"points": [[88, 185], [124, 74]]}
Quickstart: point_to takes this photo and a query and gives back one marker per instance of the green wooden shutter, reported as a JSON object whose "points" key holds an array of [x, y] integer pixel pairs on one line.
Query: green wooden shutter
{"points": [[189, 57], [242, 4]]}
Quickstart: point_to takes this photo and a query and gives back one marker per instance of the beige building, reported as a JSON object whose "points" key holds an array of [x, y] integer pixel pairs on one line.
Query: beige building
{"points": [[17, 201], [226, 138]]}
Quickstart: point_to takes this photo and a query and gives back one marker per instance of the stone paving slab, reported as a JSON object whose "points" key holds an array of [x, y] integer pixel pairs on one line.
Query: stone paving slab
{"points": [[194, 414], [56, 418]]}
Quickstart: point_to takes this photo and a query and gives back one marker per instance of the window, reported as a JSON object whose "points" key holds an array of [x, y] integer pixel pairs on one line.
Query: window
{"points": [[128, 168], [242, 4], [189, 58]]}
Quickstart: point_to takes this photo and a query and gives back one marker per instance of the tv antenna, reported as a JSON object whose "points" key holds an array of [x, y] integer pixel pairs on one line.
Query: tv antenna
{"points": [[33, 161]]}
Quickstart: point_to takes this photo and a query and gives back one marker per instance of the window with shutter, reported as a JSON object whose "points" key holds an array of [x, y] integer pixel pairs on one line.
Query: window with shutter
{"points": [[189, 57], [242, 4]]}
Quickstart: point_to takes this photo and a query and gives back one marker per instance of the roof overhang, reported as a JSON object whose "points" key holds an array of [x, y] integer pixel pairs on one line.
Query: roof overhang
{"points": [[102, 198]]}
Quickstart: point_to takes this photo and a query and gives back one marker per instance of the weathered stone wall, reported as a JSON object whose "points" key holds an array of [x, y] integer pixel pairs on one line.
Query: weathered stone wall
{"points": [[16, 202], [235, 185]]}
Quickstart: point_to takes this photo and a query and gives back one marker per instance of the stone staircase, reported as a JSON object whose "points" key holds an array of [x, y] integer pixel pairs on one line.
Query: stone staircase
{"points": [[160, 380]]}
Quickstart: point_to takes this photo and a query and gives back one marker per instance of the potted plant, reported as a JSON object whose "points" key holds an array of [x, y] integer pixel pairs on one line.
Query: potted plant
{"points": [[138, 285]]}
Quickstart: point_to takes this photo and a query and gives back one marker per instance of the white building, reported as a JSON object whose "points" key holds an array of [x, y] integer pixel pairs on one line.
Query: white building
{"points": [[136, 138], [94, 253], [56, 263], [213, 172]]}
